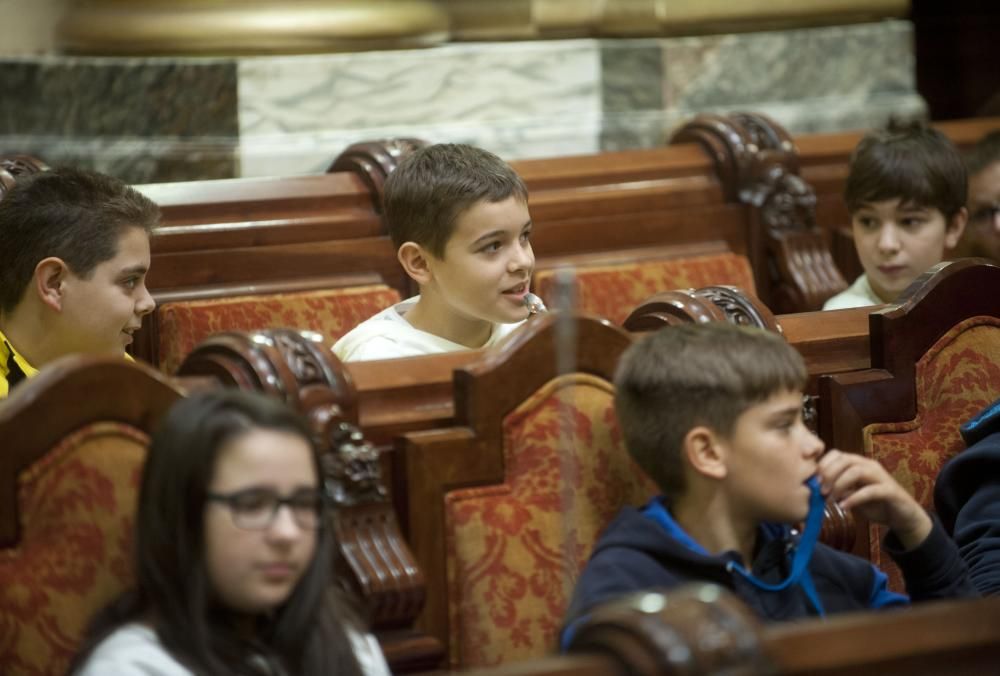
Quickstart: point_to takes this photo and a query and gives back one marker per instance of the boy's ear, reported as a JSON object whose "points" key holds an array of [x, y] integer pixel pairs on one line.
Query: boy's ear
{"points": [[704, 452], [955, 227], [50, 280], [415, 261]]}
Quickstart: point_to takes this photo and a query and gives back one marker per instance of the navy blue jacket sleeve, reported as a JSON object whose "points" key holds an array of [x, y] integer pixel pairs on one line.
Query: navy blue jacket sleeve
{"points": [[933, 569], [967, 496]]}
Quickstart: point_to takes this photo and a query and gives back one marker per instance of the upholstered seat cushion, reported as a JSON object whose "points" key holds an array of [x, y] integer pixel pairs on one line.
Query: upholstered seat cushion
{"points": [[331, 312], [74, 555], [955, 379], [613, 291], [514, 550]]}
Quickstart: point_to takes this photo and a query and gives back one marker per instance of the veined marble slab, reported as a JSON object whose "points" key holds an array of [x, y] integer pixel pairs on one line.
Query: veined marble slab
{"points": [[159, 119]]}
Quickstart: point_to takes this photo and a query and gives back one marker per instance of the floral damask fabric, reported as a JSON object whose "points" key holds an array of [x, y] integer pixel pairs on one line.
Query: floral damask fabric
{"points": [[613, 291], [331, 312], [955, 379], [514, 550], [74, 555]]}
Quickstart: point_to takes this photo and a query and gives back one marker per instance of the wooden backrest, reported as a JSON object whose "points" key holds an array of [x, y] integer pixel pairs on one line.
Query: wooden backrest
{"points": [[935, 363], [74, 442], [178, 325], [504, 507], [610, 284]]}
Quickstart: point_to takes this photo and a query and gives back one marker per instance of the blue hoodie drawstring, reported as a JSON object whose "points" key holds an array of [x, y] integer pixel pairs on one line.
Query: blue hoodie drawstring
{"points": [[799, 573]]}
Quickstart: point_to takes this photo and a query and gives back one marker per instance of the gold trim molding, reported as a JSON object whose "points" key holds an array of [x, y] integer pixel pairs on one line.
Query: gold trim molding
{"points": [[220, 27], [204, 27], [528, 19]]}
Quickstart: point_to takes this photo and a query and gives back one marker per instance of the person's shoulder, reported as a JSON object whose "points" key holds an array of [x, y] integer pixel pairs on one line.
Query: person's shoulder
{"points": [[858, 294], [384, 335], [133, 649]]}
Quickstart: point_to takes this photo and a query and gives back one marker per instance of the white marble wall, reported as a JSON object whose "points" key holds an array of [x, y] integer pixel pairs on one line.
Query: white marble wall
{"points": [[536, 99], [159, 119]]}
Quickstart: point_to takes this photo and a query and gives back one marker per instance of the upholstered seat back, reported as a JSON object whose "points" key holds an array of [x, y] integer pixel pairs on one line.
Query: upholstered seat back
{"points": [[612, 291], [955, 379], [331, 312], [74, 553], [514, 550]]}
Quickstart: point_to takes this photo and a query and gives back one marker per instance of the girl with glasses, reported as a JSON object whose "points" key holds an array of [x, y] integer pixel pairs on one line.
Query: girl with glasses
{"points": [[233, 554]]}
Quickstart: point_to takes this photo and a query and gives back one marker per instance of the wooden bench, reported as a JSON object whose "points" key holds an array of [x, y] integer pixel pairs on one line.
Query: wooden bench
{"points": [[74, 442], [935, 363], [701, 630]]}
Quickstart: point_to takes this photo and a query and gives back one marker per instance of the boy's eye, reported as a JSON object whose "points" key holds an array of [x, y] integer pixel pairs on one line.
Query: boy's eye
{"points": [[492, 247], [912, 222], [867, 223], [526, 235]]}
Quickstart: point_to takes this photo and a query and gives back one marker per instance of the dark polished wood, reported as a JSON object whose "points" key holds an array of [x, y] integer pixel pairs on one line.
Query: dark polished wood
{"points": [[702, 629], [13, 166], [758, 164]]}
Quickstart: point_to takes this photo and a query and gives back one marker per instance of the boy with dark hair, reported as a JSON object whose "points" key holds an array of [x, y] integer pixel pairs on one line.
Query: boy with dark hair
{"points": [[713, 414], [458, 217], [74, 251], [906, 191], [982, 236]]}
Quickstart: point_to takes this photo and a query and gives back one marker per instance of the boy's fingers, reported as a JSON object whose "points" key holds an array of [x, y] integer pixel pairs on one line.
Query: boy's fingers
{"points": [[852, 478], [864, 495]]}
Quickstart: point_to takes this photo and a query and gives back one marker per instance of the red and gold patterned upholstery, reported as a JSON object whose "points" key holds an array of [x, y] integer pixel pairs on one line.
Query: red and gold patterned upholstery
{"points": [[514, 550], [74, 554], [955, 379], [613, 291], [331, 312]]}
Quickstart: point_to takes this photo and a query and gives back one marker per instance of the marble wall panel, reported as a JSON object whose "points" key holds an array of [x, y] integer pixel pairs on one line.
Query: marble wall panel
{"points": [[854, 61], [516, 99], [139, 119]]}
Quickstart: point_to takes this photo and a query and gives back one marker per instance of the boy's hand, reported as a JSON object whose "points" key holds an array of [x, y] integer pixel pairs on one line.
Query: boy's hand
{"points": [[862, 484]]}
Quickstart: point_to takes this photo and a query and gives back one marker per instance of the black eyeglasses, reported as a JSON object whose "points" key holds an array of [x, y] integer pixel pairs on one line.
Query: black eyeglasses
{"points": [[256, 508]]}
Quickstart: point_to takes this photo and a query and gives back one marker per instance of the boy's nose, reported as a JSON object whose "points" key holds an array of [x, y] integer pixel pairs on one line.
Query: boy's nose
{"points": [[523, 258], [888, 239], [146, 303], [814, 446]]}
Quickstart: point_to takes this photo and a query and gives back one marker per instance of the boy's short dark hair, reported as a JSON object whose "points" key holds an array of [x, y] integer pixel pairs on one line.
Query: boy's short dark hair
{"points": [[431, 188], [910, 162], [68, 213], [685, 376], [984, 153]]}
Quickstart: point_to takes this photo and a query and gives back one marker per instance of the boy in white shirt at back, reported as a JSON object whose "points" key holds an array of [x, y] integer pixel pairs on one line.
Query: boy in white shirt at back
{"points": [[458, 217]]}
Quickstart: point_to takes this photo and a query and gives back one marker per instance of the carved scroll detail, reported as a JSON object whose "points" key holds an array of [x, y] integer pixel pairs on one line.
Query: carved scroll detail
{"points": [[758, 165], [694, 629], [696, 306], [373, 161], [13, 166]]}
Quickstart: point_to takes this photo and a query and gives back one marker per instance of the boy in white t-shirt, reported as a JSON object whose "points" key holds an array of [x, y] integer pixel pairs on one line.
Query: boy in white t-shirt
{"points": [[906, 195], [458, 216]]}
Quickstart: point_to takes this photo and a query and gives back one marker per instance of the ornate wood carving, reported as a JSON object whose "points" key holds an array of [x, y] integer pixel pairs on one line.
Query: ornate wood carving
{"points": [[707, 304], [12, 166], [694, 629], [373, 161], [758, 165]]}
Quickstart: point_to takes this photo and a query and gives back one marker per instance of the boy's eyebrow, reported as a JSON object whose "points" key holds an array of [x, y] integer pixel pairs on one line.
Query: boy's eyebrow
{"points": [[139, 269], [785, 412], [497, 233]]}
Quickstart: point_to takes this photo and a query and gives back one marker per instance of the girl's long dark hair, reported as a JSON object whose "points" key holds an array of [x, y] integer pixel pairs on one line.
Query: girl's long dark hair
{"points": [[305, 635]]}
